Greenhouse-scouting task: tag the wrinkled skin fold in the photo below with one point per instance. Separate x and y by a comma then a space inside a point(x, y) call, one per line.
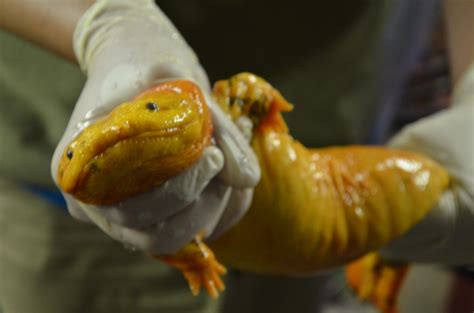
point(327, 206)
point(313, 209)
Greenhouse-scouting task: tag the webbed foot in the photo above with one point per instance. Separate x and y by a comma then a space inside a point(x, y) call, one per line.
point(199, 266)
point(374, 280)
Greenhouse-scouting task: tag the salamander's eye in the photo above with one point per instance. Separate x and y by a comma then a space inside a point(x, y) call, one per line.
point(69, 154)
point(152, 106)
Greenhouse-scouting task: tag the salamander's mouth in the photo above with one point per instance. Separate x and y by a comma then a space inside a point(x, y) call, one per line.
point(157, 134)
point(137, 151)
point(83, 160)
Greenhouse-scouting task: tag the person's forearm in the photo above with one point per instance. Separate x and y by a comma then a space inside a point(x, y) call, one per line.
point(459, 15)
point(48, 23)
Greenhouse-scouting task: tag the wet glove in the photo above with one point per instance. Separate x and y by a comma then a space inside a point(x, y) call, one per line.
point(126, 47)
point(446, 234)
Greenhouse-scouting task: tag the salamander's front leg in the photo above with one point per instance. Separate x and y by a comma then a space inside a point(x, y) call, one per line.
point(199, 266)
point(376, 281)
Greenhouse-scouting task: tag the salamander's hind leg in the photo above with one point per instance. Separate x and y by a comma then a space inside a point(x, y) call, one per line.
point(199, 266)
point(376, 281)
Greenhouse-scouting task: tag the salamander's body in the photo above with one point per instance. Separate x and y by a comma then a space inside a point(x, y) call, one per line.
point(313, 208)
point(318, 208)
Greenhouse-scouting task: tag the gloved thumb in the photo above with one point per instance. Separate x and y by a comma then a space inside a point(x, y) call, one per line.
point(241, 169)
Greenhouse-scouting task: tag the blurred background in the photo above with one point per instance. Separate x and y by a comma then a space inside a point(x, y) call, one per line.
point(357, 71)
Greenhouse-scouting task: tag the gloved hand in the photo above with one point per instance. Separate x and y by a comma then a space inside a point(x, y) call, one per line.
point(446, 234)
point(126, 47)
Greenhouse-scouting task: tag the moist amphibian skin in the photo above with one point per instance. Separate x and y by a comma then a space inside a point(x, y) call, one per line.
point(312, 210)
point(317, 208)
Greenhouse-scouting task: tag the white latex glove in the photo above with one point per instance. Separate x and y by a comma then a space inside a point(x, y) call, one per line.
point(446, 234)
point(125, 47)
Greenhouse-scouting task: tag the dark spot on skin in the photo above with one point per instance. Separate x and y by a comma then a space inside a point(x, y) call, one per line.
point(69, 154)
point(95, 168)
point(152, 106)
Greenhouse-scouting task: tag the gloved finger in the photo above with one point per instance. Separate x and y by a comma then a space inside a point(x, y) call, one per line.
point(238, 204)
point(245, 125)
point(441, 235)
point(75, 210)
point(426, 239)
point(177, 193)
point(200, 217)
point(129, 236)
point(241, 168)
point(170, 235)
point(445, 137)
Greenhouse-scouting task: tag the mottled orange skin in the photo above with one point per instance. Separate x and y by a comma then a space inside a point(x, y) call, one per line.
point(136, 147)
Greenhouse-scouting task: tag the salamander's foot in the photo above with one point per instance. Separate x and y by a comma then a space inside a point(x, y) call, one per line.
point(374, 280)
point(199, 266)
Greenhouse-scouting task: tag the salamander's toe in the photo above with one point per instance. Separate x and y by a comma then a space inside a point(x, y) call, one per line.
point(199, 266)
point(376, 281)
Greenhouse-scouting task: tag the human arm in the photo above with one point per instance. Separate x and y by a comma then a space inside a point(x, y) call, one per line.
point(459, 20)
point(48, 23)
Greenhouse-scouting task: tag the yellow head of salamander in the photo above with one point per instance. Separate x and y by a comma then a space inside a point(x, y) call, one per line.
point(138, 146)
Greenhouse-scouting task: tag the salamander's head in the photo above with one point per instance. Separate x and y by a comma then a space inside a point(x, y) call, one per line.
point(139, 145)
point(249, 95)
